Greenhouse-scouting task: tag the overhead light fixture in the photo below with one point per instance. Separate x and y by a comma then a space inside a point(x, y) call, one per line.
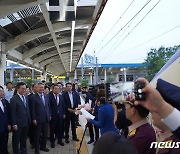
point(72, 35)
point(38, 70)
point(72, 43)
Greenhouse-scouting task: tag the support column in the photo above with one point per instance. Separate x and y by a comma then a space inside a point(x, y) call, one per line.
point(94, 76)
point(97, 77)
point(82, 69)
point(12, 73)
point(2, 64)
point(105, 75)
point(67, 77)
point(44, 75)
point(32, 73)
point(75, 74)
point(117, 77)
point(124, 74)
point(91, 79)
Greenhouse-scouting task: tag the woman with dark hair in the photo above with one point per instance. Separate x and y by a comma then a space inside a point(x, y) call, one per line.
point(105, 115)
point(111, 143)
point(46, 89)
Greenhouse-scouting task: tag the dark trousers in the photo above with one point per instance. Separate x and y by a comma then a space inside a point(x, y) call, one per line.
point(4, 142)
point(63, 128)
point(41, 131)
point(91, 132)
point(20, 136)
point(56, 127)
point(31, 134)
point(77, 120)
point(70, 118)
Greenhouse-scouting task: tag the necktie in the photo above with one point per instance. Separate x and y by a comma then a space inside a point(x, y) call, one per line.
point(42, 99)
point(56, 99)
point(24, 100)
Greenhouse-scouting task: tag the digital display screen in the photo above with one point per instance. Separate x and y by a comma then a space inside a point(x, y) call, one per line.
point(120, 90)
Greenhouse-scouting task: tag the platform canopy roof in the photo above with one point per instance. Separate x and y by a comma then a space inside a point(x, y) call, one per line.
point(33, 40)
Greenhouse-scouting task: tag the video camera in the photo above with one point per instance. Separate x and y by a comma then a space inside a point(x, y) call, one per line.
point(139, 95)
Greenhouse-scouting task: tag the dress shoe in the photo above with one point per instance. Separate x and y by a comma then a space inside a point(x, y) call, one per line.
point(67, 141)
point(75, 139)
point(89, 142)
point(52, 145)
point(78, 124)
point(61, 143)
point(44, 149)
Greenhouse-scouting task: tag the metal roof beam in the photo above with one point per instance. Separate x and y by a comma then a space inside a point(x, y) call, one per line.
point(50, 54)
point(49, 60)
point(39, 32)
point(50, 27)
point(46, 46)
point(8, 7)
point(18, 57)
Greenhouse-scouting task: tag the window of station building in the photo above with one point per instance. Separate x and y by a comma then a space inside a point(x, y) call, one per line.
point(128, 77)
point(121, 77)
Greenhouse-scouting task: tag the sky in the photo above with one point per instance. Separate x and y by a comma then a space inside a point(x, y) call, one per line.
point(118, 39)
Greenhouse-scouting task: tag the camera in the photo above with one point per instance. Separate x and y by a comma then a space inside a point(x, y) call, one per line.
point(139, 95)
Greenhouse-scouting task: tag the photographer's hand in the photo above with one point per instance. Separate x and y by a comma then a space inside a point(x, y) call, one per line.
point(88, 119)
point(154, 102)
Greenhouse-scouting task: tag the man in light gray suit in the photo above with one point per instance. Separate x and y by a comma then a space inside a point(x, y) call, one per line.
point(20, 119)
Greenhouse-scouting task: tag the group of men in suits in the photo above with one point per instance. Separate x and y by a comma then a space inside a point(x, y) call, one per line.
point(31, 115)
point(4, 122)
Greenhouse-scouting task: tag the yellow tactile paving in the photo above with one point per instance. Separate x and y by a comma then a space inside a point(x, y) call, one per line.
point(77, 144)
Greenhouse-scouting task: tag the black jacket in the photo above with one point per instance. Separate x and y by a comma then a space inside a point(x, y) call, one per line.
point(4, 116)
point(57, 109)
point(76, 101)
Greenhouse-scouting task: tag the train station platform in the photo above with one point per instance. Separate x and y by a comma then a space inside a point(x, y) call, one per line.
point(70, 148)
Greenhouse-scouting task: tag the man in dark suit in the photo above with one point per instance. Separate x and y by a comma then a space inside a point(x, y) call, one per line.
point(31, 132)
point(57, 115)
point(4, 122)
point(20, 118)
point(71, 99)
point(40, 112)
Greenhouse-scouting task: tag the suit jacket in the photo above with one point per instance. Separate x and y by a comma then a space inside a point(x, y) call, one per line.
point(177, 132)
point(40, 112)
point(4, 116)
point(57, 109)
point(76, 101)
point(20, 115)
point(30, 102)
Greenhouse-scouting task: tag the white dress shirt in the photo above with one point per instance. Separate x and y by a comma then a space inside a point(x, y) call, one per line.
point(71, 99)
point(172, 120)
point(1, 105)
point(23, 99)
point(42, 97)
point(8, 94)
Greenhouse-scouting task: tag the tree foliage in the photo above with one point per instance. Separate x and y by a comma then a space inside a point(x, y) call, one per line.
point(84, 83)
point(157, 58)
point(110, 79)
